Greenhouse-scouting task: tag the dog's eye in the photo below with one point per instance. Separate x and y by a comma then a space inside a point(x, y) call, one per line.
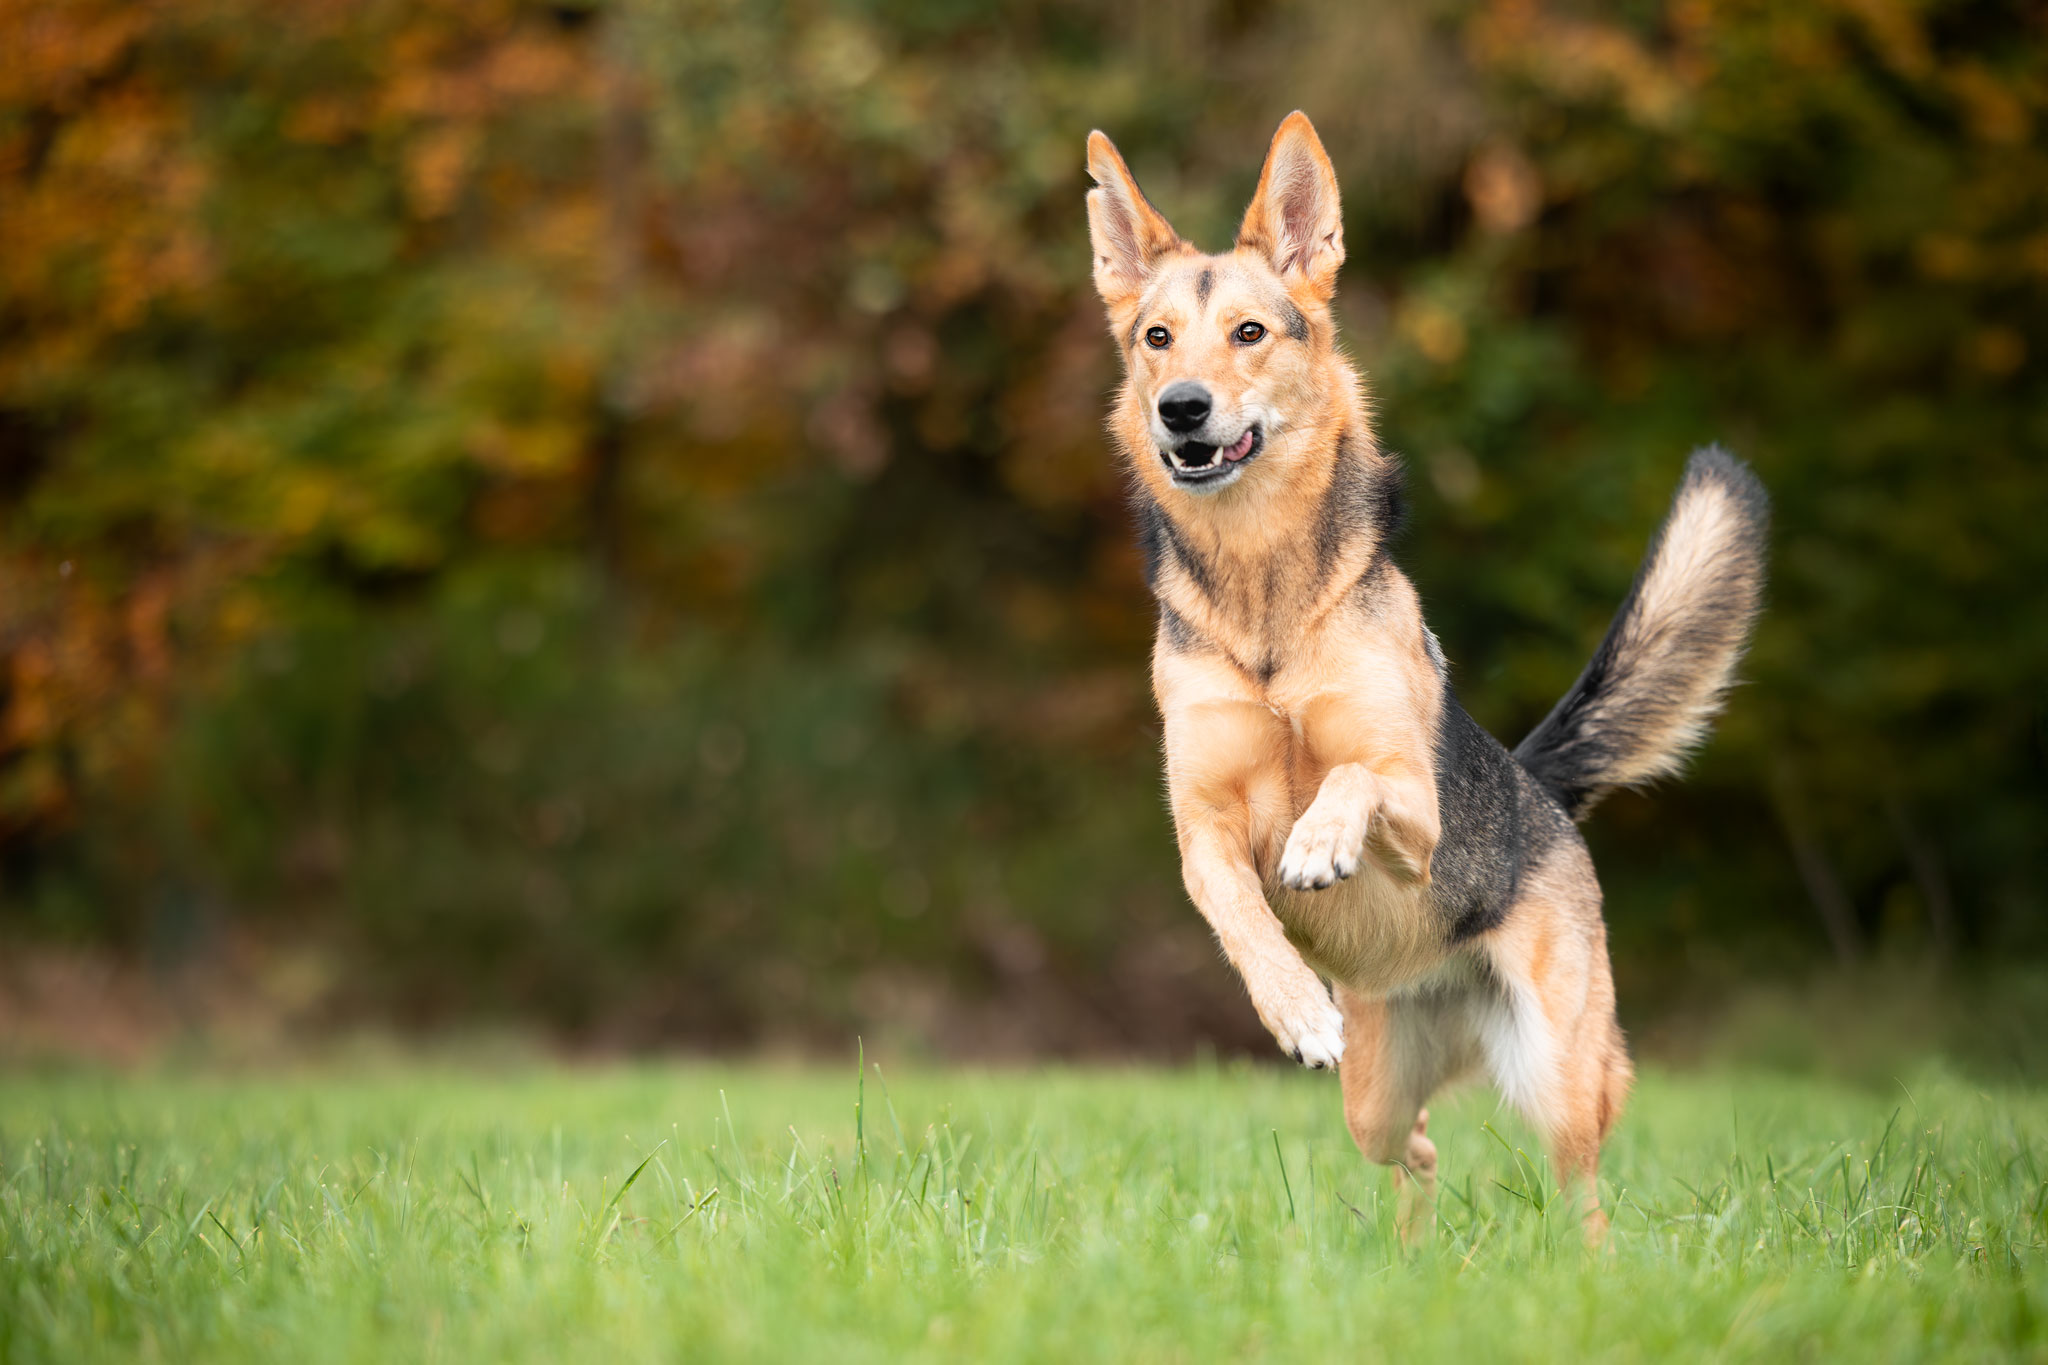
point(1249, 332)
point(1158, 338)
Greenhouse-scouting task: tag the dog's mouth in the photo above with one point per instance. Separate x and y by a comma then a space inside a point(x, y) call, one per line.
point(1197, 464)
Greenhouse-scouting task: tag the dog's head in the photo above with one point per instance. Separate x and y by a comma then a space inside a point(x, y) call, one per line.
point(1228, 358)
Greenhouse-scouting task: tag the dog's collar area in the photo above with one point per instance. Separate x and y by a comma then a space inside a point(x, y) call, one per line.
point(1197, 464)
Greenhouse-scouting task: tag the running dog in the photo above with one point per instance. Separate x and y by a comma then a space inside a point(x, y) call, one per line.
point(1339, 814)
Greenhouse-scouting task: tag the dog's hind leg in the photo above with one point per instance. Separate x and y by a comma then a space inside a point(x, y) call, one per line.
point(1550, 1036)
point(1394, 1059)
point(1592, 1084)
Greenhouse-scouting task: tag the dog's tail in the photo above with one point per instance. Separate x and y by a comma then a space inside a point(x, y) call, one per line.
point(1656, 682)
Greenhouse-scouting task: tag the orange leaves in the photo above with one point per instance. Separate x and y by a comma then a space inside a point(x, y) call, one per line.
point(79, 683)
point(437, 164)
point(279, 283)
point(1503, 187)
point(102, 224)
point(57, 50)
point(1576, 59)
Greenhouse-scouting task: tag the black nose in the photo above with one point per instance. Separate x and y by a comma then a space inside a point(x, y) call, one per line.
point(1184, 406)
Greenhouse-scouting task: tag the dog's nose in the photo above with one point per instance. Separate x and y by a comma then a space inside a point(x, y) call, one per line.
point(1184, 406)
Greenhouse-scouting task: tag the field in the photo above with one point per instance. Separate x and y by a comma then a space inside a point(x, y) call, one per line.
point(376, 1212)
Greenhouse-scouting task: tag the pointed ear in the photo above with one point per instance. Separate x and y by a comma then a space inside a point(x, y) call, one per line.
point(1294, 220)
point(1129, 235)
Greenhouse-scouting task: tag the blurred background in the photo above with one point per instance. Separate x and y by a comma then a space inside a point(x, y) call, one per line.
point(592, 520)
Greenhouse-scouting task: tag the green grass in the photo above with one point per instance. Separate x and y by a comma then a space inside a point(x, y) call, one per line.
point(708, 1213)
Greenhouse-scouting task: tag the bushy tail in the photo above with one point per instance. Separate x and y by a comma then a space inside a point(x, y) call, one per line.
point(1656, 682)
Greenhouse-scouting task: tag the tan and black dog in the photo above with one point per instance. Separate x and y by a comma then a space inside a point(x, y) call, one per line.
point(1339, 814)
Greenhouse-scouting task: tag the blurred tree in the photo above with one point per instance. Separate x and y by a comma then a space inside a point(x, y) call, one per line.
point(599, 510)
point(1816, 231)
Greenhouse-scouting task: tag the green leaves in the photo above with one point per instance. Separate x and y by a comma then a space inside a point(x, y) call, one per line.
point(776, 321)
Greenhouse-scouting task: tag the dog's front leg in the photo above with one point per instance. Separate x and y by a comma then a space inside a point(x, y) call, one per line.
point(1355, 810)
point(1216, 863)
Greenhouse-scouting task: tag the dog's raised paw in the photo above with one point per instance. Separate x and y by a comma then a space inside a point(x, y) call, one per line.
point(1323, 849)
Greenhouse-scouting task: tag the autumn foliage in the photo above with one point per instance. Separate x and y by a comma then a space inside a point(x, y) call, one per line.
point(598, 512)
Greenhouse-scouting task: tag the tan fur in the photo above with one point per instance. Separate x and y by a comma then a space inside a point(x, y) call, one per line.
point(1387, 1073)
point(1556, 943)
point(1301, 711)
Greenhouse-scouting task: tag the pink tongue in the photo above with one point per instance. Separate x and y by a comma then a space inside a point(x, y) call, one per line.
point(1238, 450)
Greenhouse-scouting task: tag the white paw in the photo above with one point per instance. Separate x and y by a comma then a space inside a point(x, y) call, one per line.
point(1325, 846)
point(1311, 1031)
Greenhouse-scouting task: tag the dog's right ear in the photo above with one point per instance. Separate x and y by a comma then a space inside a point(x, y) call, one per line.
point(1129, 235)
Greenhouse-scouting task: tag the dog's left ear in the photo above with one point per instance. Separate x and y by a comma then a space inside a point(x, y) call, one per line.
point(1294, 220)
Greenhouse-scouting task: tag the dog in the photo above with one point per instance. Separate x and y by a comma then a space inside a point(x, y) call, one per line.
point(1339, 815)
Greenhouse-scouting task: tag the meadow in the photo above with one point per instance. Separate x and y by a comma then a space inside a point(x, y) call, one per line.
point(380, 1211)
